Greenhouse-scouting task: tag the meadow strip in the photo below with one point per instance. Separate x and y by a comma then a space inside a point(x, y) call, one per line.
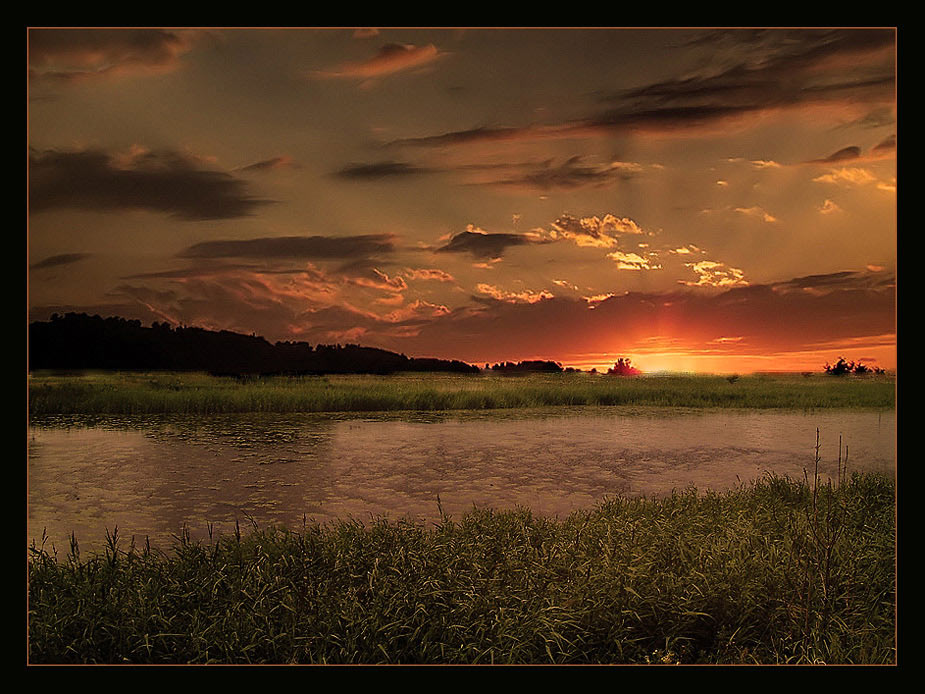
point(194, 393)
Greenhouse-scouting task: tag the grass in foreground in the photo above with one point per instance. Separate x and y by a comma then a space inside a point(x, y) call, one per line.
point(776, 572)
point(195, 393)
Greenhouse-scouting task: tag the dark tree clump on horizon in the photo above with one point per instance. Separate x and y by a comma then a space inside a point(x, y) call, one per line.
point(623, 367)
point(842, 367)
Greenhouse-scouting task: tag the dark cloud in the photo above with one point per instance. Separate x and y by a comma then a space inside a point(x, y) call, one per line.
point(537, 175)
point(844, 281)
point(486, 245)
point(771, 68)
point(668, 117)
point(317, 247)
point(167, 181)
point(207, 268)
point(58, 260)
point(461, 137)
point(381, 169)
point(571, 174)
point(793, 48)
point(68, 55)
point(762, 70)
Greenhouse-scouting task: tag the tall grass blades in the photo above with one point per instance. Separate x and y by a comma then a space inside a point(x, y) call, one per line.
point(779, 571)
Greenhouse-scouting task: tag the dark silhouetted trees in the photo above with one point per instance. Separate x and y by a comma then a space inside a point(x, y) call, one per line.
point(77, 341)
point(843, 367)
point(535, 366)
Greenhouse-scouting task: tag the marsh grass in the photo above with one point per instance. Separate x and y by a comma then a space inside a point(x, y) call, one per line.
point(194, 393)
point(778, 571)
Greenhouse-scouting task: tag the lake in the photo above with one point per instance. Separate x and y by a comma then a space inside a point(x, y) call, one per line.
point(151, 476)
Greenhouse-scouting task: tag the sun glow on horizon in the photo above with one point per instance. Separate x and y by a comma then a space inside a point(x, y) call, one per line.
point(680, 361)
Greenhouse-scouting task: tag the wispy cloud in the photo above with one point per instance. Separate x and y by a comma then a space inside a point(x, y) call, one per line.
point(380, 170)
point(390, 59)
point(877, 118)
point(887, 145)
point(274, 163)
point(165, 181)
point(573, 173)
point(875, 278)
point(59, 260)
point(763, 73)
point(324, 247)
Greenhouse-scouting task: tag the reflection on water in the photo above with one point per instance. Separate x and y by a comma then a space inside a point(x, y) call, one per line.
point(151, 476)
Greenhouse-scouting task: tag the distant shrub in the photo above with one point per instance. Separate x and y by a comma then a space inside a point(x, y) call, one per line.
point(623, 367)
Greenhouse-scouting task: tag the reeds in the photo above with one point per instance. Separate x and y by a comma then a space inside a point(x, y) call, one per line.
point(191, 393)
point(779, 571)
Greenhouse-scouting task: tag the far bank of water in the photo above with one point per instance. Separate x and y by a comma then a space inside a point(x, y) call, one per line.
point(153, 475)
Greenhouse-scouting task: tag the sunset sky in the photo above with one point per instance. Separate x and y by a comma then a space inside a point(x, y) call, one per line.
point(694, 199)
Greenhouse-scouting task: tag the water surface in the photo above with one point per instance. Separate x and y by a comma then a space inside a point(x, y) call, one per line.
point(152, 476)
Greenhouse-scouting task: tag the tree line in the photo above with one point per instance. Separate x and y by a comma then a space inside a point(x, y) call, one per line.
point(77, 341)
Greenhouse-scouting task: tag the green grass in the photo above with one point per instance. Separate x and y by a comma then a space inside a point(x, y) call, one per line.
point(773, 572)
point(194, 393)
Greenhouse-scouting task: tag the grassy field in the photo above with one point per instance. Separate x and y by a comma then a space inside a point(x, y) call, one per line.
point(775, 572)
point(195, 393)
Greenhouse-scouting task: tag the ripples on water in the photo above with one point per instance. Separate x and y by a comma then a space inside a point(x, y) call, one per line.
point(151, 476)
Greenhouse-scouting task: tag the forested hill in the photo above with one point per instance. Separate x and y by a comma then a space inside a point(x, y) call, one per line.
point(79, 341)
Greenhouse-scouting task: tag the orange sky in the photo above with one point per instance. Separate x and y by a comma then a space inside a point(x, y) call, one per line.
point(696, 200)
